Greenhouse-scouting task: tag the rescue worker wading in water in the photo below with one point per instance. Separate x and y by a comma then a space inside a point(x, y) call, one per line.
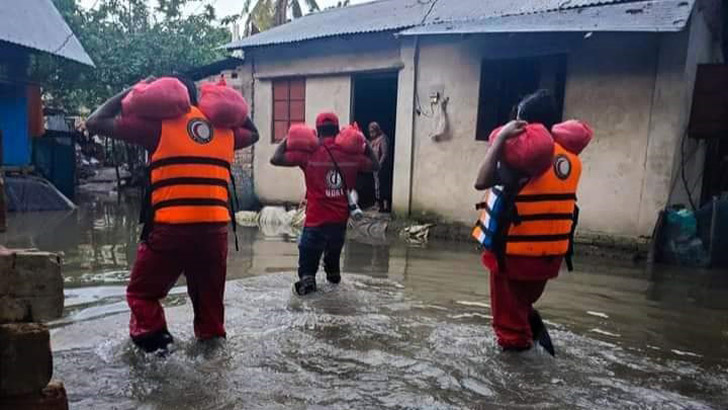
point(187, 229)
point(526, 227)
point(327, 207)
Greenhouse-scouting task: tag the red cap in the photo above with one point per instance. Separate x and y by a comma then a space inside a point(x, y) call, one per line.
point(327, 118)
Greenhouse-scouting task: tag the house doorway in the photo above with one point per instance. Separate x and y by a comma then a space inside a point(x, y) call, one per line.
point(374, 99)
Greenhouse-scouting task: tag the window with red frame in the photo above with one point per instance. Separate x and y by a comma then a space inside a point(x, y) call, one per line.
point(289, 105)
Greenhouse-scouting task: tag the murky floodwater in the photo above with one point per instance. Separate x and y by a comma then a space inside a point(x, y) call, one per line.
point(407, 328)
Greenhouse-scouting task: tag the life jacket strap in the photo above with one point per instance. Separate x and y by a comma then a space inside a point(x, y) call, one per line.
point(189, 161)
point(538, 238)
point(545, 197)
point(189, 202)
point(189, 181)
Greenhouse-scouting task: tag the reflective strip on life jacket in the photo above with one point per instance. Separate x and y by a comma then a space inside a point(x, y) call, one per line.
point(190, 171)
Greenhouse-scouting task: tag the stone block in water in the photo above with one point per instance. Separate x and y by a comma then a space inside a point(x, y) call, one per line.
point(52, 397)
point(26, 363)
point(31, 286)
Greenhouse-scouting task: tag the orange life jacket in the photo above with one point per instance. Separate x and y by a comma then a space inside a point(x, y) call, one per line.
point(190, 171)
point(538, 219)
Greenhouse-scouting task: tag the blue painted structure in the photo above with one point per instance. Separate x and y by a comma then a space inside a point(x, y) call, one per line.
point(14, 124)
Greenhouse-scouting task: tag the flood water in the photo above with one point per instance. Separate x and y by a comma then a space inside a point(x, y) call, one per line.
point(408, 327)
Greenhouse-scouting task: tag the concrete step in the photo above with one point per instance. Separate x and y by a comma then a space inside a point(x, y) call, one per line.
point(26, 364)
point(52, 397)
point(31, 286)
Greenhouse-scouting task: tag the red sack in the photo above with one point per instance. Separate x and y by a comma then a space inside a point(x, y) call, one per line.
point(301, 138)
point(573, 135)
point(164, 98)
point(351, 140)
point(222, 105)
point(531, 152)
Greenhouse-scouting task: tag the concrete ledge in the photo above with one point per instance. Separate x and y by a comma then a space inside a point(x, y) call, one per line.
point(592, 243)
point(26, 364)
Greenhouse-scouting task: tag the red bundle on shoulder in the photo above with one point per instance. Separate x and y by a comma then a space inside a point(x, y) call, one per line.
point(573, 135)
point(223, 106)
point(301, 138)
point(351, 140)
point(531, 152)
point(164, 98)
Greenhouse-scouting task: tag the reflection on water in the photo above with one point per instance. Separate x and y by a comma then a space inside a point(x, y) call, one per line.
point(407, 328)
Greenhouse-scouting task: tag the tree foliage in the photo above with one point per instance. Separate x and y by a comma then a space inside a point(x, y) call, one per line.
point(128, 41)
point(265, 14)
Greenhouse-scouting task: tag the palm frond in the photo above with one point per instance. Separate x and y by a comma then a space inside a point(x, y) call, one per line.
point(312, 5)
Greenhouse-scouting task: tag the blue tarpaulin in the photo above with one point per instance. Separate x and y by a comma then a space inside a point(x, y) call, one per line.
point(14, 124)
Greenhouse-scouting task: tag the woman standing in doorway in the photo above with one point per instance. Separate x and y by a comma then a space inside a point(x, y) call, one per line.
point(382, 178)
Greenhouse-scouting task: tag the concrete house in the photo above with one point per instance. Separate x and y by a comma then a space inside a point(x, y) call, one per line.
point(439, 75)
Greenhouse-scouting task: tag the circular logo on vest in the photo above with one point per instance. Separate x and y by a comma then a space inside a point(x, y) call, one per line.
point(334, 180)
point(562, 166)
point(200, 130)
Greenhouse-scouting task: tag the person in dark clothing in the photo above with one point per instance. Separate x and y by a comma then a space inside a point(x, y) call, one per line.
point(327, 206)
point(382, 178)
point(189, 224)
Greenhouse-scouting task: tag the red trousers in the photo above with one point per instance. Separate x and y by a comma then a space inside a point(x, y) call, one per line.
point(513, 291)
point(200, 253)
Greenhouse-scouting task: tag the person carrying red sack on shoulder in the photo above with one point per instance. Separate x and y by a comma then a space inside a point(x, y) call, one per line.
point(329, 171)
point(187, 207)
point(528, 216)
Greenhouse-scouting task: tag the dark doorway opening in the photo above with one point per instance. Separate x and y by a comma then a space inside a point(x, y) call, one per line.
point(375, 100)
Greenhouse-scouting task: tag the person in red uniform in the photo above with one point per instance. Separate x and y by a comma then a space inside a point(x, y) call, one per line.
point(188, 233)
point(327, 207)
point(517, 282)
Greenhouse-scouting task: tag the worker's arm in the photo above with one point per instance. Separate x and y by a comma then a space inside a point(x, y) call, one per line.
point(486, 175)
point(280, 157)
point(246, 135)
point(373, 161)
point(102, 120)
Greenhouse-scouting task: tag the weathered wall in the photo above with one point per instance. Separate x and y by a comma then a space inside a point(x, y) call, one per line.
point(703, 47)
point(634, 89)
point(327, 89)
point(608, 85)
point(611, 87)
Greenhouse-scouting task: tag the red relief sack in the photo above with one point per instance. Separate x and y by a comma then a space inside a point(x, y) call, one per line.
point(351, 140)
point(223, 106)
point(164, 98)
point(301, 138)
point(573, 135)
point(530, 152)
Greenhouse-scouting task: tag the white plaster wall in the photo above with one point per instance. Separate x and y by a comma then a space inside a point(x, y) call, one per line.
point(608, 85)
point(328, 94)
point(444, 172)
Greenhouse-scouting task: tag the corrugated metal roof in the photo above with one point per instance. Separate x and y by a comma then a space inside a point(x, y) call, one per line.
point(382, 15)
point(473, 16)
point(448, 10)
point(649, 15)
point(38, 25)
